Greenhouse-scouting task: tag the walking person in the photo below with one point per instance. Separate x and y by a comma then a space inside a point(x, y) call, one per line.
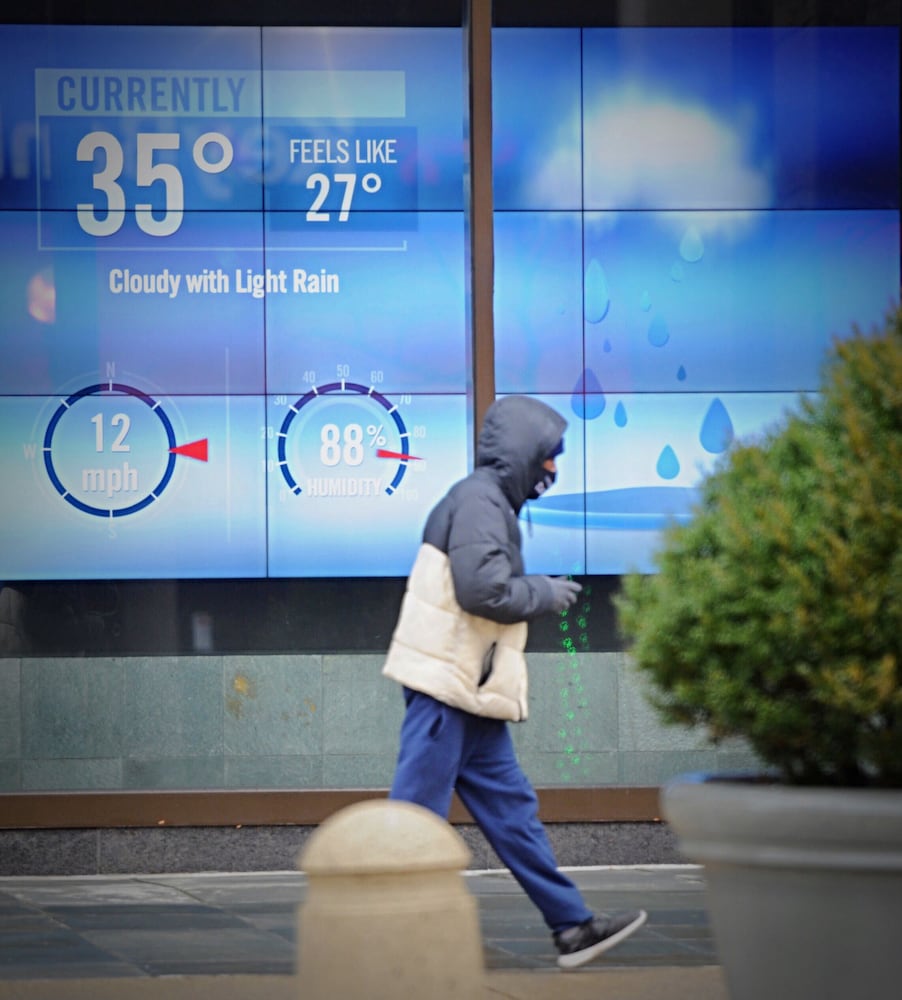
point(458, 649)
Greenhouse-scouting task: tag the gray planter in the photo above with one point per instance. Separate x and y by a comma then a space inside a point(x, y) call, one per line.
point(804, 885)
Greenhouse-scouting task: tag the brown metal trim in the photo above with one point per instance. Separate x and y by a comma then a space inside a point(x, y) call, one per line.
point(480, 207)
point(88, 810)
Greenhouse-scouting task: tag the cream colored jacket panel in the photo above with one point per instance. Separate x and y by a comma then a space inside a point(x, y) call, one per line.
point(439, 649)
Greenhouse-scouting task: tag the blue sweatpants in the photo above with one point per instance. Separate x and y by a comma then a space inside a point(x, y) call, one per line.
point(444, 749)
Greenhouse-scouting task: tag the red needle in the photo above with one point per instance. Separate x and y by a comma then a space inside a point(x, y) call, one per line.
point(383, 453)
point(196, 449)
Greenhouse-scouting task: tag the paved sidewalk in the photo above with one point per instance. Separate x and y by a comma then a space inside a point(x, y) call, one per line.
point(232, 936)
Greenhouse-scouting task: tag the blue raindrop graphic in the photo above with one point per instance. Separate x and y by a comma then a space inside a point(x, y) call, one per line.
point(620, 417)
point(668, 464)
point(584, 405)
point(681, 374)
point(692, 248)
point(676, 271)
point(607, 347)
point(598, 300)
point(658, 334)
point(645, 301)
point(716, 434)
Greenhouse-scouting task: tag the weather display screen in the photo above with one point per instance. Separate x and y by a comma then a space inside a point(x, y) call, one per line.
point(233, 283)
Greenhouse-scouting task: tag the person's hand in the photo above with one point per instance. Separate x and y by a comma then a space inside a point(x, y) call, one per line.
point(563, 592)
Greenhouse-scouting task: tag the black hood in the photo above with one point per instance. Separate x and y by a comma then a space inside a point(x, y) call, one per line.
point(517, 435)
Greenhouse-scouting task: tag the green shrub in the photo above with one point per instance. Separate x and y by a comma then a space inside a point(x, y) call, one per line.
point(776, 614)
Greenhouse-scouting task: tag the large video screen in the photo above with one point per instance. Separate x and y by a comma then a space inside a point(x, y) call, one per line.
point(233, 289)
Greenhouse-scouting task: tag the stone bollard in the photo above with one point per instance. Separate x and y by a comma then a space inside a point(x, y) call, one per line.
point(387, 914)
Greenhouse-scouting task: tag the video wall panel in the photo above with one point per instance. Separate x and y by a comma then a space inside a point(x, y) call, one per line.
point(738, 209)
point(233, 288)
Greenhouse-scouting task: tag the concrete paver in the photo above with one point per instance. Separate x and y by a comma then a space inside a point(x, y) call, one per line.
point(233, 936)
point(703, 983)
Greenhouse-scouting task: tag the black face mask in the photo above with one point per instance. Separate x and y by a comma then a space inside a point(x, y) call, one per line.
point(545, 483)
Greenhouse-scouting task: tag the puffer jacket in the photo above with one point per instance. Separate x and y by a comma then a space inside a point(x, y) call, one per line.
point(462, 629)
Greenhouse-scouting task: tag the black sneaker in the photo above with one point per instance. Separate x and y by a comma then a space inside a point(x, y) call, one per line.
point(580, 944)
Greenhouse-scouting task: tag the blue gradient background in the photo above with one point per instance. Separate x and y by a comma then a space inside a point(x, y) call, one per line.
point(400, 310)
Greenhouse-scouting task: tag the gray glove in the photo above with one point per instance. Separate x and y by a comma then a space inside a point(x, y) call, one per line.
point(563, 592)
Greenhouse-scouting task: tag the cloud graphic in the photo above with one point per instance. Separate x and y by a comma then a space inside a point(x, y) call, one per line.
point(657, 153)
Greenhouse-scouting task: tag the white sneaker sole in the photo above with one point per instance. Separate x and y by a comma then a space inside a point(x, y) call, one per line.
point(577, 958)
